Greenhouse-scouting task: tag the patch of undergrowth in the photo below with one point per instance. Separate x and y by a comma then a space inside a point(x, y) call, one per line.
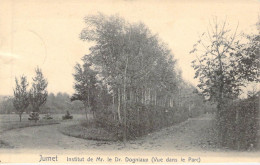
point(140, 120)
point(90, 131)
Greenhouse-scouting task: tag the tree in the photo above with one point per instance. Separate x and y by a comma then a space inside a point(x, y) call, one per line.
point(85, 86)
point(250, 55)
point(223, 67)
point(21, 96)
point(132, 63)
point(38, 92)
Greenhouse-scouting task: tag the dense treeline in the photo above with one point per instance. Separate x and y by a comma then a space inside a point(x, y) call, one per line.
point(137, 72)
point(6, 105)
point(59, 103)
point(145, 118)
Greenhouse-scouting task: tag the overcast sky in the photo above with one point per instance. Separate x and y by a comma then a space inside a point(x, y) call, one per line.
point(46, 32)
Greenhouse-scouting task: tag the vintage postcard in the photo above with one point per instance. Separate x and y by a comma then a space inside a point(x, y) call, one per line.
point(129, 81)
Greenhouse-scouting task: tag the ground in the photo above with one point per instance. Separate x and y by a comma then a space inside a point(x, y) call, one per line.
point(195, 134)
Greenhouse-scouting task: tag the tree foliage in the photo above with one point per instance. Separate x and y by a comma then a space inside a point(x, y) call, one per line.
point(223, 63)
point(133, 64)
point(85, 86)
point(21, 95)
point(38, 91)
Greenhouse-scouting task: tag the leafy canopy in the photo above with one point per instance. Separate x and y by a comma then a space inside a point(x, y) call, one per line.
point(223, 63)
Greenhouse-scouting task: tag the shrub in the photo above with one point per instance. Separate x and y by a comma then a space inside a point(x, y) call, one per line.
point(241, 124)
point(67, 116)
point(107, 121)
point(34, 116)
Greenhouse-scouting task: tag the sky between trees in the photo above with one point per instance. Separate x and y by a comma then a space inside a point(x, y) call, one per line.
point(47, 33)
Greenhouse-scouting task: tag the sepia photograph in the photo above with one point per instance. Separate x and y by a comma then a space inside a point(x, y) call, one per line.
point(129, 81)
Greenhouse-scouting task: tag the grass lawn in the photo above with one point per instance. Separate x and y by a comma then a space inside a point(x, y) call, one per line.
point(11, 121)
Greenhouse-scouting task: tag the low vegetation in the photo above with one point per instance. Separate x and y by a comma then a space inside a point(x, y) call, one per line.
point(142, 120)
point(242, 124)
point(90, 131)
point(67, 116)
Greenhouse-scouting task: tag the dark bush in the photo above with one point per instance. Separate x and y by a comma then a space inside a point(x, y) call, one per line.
point(106, 120)
point(34, 116)
point(241, 124)
point(67, 116)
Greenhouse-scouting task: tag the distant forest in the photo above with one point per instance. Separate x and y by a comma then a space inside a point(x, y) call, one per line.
point(59, 103)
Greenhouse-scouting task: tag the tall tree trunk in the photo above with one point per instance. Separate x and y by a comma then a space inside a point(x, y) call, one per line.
point(119, 106)
point(124, 97)
point(142, 96)
point(170, 102)
point(180, 101)
point(220, 108)
point(131, 95)
point(149, 95)
point(88, 99)
point(93, 112)
point(113, 98)
point(152, 99)
point(85, 107)
point(138, 119)
point(237, 129)
point(155, 98)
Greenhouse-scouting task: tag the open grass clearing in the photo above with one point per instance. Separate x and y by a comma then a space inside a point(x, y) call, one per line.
point(11, 121)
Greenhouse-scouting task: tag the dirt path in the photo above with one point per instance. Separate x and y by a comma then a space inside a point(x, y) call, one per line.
point(193, 134)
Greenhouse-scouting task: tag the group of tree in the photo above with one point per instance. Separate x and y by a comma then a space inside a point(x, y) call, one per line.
point(35, 97)
point(55, 104)
point(60, 103)
point(225, 63)
point(129, 76)
point(6, 105)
